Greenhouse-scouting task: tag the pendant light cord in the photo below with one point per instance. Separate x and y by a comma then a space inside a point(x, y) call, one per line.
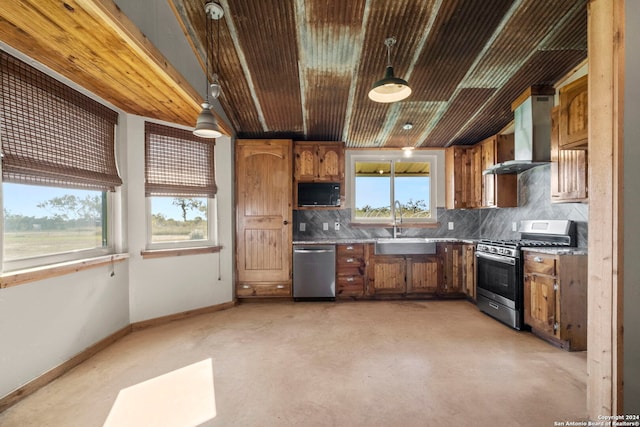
point(206, 56)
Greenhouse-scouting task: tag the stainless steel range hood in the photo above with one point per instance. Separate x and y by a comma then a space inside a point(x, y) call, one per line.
point(532, 139)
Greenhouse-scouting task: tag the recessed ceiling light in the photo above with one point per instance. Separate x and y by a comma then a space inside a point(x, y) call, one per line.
point(407, 126)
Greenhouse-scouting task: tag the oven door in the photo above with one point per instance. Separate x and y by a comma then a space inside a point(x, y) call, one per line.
point(499, 278)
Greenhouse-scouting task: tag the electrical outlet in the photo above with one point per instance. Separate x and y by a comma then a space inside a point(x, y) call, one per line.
point(514, 226)
point(325, 226)
point(336, 226)
point(450, 225)
point(303, 226)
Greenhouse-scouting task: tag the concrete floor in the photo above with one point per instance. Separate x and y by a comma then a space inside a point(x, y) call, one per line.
point(324, 364)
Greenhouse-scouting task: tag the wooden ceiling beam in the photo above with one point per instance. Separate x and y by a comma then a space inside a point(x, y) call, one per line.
point(92, 43)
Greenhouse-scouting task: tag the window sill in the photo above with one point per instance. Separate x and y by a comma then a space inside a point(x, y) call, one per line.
point(163, 253)
point(20, 277)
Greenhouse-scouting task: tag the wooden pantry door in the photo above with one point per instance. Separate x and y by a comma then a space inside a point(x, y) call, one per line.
point(263, 210)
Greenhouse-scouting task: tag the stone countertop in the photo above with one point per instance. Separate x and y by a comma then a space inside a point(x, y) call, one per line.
point(558, 250)
point(347, 241)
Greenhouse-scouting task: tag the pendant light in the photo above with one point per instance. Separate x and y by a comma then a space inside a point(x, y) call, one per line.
point(206, 124)
point(390, 88)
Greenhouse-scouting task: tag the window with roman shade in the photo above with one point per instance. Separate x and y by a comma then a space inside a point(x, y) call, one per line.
point(51, 134)
point(177, 163)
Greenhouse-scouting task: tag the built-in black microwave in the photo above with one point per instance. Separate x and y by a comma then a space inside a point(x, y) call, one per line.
point(318, 194)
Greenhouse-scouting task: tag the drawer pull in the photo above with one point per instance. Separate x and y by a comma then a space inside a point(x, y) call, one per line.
point(246, 287)
point(280, 286)
point(537, 259)
point(350, 260)
point(349, 279)
point(349, 248)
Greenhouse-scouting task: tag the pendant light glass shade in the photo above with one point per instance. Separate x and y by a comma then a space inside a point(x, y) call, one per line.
point(206, 124)
point(390, 88)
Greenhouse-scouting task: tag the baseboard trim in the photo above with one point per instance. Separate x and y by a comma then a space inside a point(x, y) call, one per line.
point(44, 379)
point(144, 324)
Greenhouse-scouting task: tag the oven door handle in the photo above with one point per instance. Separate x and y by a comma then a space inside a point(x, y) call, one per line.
point(498, 258)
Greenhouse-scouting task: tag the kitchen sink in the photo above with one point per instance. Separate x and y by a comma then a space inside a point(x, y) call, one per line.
point(405, 246)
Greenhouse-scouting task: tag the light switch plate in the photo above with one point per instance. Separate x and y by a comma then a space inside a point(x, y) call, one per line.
point(325, 226)
point(336, 226)
point(514, 226)
point(450, 225)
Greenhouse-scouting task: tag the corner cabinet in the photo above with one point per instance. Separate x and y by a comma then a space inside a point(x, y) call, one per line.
point(498, 191)
point(318, 162)
point(458, 268)
point(568, 167)
point(555, 298)
point(463, 174)
point(263, 218)
point(574, 115)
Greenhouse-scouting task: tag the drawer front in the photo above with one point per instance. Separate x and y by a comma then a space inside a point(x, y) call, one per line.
point(355, 251)
point(350, 270)
point(350, 261)
point(244, 290)
point(351, 285)
point(539, 263)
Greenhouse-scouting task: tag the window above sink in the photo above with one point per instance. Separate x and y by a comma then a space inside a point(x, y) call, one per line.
point(388, 187)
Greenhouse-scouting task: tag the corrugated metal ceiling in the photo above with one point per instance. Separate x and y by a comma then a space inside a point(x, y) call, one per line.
point(302, 69)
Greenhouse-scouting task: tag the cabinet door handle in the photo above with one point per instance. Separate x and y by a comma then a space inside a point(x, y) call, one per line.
point(280, 286)
point(537, 259)
point(350, 259)
point(285, 222)
point(349, 279)
point(349, 248)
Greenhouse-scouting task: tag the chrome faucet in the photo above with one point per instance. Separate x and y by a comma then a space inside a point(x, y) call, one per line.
point(397, 207)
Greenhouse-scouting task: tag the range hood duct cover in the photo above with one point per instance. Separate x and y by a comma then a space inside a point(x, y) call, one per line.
point(532, 139)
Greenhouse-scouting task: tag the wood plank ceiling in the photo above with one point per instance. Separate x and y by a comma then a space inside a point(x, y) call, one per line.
point(302, 69)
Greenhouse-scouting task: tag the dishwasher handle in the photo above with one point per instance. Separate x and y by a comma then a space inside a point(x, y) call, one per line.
point(313, 251)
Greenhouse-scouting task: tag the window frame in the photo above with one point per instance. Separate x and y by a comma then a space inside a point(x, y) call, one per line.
point(212, 228)
point(393, 156)
point(61, 257)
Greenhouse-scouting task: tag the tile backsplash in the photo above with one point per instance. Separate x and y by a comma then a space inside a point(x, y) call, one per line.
point(533, 203)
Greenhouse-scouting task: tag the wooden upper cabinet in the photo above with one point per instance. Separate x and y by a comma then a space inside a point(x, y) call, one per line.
point(462, 182)
point(568, 168)
point(498, 191)
point(319, 161)
point(331, 162)
point(574, 115)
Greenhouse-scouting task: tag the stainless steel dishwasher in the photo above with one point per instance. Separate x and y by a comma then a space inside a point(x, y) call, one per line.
point(314, 272)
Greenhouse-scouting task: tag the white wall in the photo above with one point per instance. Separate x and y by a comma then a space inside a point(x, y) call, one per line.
point(163, 286)
point(45, 323)
point(631, 210)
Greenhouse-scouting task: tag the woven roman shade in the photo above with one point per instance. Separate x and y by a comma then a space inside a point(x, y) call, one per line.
point(52, 134)
point(177, 163)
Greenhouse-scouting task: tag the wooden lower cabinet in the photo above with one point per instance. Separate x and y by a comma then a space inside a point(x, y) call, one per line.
point(351, 270)
point(403, 275)
point(245, 290)
point(555, 298)
point(423, 274)
point(458, 269)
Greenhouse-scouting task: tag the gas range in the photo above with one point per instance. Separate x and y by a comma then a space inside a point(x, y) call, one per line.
point(499, 275)
point(549, 233)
